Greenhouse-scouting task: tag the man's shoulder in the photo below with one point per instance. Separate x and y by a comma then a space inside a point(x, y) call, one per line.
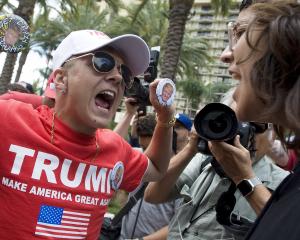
point(269, 173)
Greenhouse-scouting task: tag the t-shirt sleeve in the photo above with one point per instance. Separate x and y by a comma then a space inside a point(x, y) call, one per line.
point(33, 99)
point(8, 109)
point(135, 165)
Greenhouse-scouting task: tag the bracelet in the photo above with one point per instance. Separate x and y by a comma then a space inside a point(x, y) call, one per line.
point(168, 124)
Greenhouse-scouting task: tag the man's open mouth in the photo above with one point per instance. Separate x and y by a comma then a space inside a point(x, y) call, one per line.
point(105, 99)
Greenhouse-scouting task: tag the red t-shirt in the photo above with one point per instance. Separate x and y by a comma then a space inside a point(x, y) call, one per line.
point(58, 191)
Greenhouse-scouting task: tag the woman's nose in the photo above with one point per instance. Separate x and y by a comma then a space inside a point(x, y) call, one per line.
point(226, 55)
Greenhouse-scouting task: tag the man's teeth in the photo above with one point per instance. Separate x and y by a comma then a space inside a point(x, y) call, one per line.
point(112, 94)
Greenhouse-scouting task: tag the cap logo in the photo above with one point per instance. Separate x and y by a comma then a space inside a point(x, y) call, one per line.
point(98, 34)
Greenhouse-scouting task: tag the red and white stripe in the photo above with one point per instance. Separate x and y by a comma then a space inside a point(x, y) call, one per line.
point(73, 226)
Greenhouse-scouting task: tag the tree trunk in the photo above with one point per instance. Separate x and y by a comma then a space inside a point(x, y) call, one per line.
point(7, 71)
point(179, 12)
point(22, 61)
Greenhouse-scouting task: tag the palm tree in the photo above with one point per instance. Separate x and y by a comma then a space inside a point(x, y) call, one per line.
point(153, 32)
point(179, 11)
point(193, 52)
point(178, 15)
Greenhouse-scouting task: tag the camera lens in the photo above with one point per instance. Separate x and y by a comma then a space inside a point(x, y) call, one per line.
point(217, 122)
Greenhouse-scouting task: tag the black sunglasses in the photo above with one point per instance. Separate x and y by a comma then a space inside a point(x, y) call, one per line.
point(104, 63)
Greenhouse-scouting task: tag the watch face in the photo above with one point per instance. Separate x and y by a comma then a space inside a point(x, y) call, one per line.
point(245, 187)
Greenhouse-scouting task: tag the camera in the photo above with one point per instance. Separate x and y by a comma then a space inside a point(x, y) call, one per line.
point(218, 122)
point(140, 86)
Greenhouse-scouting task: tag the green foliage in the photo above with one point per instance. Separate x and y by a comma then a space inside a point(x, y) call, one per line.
point(114, 206)
point(221, 7)
point(153, 32)
point(216, 90)
point(193, 89)
point(193, 53)
point(47, 34)
point(193, 56)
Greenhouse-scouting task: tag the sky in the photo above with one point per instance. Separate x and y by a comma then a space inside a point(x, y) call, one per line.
point(31, 68)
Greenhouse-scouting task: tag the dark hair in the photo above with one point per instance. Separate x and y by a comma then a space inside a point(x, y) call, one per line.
point(146, 125)
point(275, 76)
point(17, 87)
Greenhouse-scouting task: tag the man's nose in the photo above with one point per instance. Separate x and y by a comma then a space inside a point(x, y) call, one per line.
point(116, 75)
point(226, 55)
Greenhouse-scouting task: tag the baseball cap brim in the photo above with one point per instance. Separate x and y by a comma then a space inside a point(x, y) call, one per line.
point(134, 50)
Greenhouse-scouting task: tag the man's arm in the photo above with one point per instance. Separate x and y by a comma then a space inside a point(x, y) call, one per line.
point(33, 99)
point(162, 191)
point(159, 150)
point(236, 162)
point(123, 126)
point(161, 234)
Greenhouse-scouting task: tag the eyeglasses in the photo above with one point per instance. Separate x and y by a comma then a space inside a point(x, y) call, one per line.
point(235, 31)
point(105, 63)
point(231, 38)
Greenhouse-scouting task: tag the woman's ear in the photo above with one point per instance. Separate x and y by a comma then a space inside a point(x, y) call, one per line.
point(61, 81)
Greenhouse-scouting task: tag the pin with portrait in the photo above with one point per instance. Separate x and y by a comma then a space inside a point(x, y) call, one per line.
point(165, 92)
point(14, 33)
point(116, 176)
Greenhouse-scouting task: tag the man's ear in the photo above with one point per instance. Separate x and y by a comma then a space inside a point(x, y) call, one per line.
point(61, 80)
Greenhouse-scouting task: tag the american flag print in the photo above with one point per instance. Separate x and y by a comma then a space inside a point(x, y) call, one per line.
point(62, 223)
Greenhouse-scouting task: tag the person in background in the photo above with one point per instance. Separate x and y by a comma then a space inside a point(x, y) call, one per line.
point(17, 87)
point(130, 112)
point(182, 130)
point(62, 162)
point(144, 220)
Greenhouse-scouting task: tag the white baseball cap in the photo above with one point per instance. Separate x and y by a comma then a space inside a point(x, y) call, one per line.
point(133, 48)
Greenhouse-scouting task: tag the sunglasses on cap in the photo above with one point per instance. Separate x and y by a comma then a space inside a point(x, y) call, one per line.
point(105, 63)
